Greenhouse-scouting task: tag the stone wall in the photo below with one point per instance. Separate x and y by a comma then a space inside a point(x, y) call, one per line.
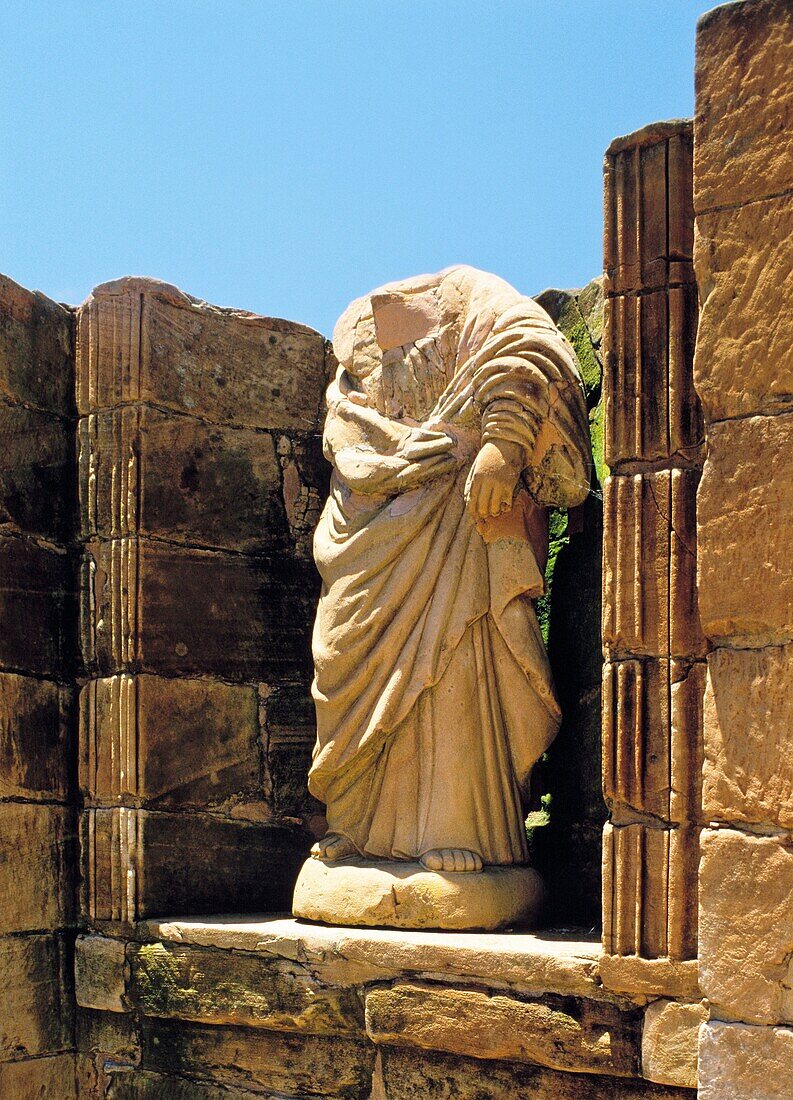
point(743, 195)
point(190, 1008)
point(38, 654)
point(200, 480)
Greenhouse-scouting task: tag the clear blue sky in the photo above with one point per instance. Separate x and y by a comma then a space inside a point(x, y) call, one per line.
point(285, 156)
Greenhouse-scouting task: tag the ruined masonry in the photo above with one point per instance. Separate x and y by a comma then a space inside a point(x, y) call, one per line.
point(161, 475)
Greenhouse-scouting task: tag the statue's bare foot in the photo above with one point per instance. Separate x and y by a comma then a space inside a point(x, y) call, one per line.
point(451, 859)
point(332, 847)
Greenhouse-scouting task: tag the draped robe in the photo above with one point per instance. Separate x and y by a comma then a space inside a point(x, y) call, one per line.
point(432, 687)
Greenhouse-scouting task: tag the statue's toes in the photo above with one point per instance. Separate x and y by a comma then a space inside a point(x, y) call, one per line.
point(433, 860)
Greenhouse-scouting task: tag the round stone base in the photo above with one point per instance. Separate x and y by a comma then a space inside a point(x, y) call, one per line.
point(393, 894)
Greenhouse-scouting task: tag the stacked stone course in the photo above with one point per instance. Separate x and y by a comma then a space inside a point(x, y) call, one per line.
point(654, 648)
point(200, 479)
point(743, 196)
point(38, 653)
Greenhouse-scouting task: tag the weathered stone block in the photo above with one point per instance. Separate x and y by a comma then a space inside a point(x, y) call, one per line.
point(35, 1008)
point(669, 1042)
point(183, 611)
point(585, 1036)
point(37, 605)
point(36, 354)
point(746, 926)
point(125, 1083)
point(217, 987)
point(650, 891)
point(647, 208)
point(636, 513)
point(170, 743)
point(140, 864)
point(737, 1062)
point(748, 728)
point(652, 738)
point(143, 340)
point(650, 977)
point(744, 359)
point(744, 506)
point(40, 1079)
point(409, 1075)
point(744, 88)
point(636, 373)
point(100, 973)
point(649, 565)
point(36, 738)
point(36, 473)
point(260, 1060)
point(143, 471)
point(38, 859)
point(110, 1033)
point(652, 411)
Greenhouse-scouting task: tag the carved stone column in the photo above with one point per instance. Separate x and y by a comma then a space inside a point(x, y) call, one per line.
point(653, 678)
point(197, 430)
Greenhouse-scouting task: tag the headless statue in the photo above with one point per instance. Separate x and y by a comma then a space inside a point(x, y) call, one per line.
point(456, 417)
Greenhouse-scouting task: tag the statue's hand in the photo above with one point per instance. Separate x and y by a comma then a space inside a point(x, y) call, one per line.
point(493, 477)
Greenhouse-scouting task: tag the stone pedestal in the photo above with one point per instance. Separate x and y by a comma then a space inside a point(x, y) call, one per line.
point(354, 892)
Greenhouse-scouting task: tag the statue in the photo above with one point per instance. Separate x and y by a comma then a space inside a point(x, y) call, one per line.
point(456, 417)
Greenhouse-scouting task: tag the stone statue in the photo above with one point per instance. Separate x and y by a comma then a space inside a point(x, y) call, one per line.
point(456, 417)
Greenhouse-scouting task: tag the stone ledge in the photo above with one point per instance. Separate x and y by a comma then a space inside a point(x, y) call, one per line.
point(533, 963)
point(524, 999)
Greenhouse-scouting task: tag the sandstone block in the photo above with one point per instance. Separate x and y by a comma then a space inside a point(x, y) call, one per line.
point(38, 859)
point(744, 87)
point(404, 895)
point(650, 891)
point(647, 208)
point(50, 1078)
point(669, 1042)
point(744, 505)
point(169, 743)
point(652, 411)
point(260, 1060)
point(100, 973)
point(109, 1033)
point(409, 1075)
point(737, 1062)
point(146, 472)
point(35, 738)
point(649, 565)
point(746, 926)
point(138, 863)
point(663, 977)
point(748, 728)
point(125, 1083)
point(36, 354)
point(35, 1009)
point(575, 1036)
point(36, 608)
point(744, 359)
point(218, 987)
point(652, 738)
point(182, 611)
point(143, 340)
point(36, 473)
point(533, 964)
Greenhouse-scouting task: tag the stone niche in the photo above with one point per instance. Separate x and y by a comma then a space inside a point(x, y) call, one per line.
point(173, 732)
